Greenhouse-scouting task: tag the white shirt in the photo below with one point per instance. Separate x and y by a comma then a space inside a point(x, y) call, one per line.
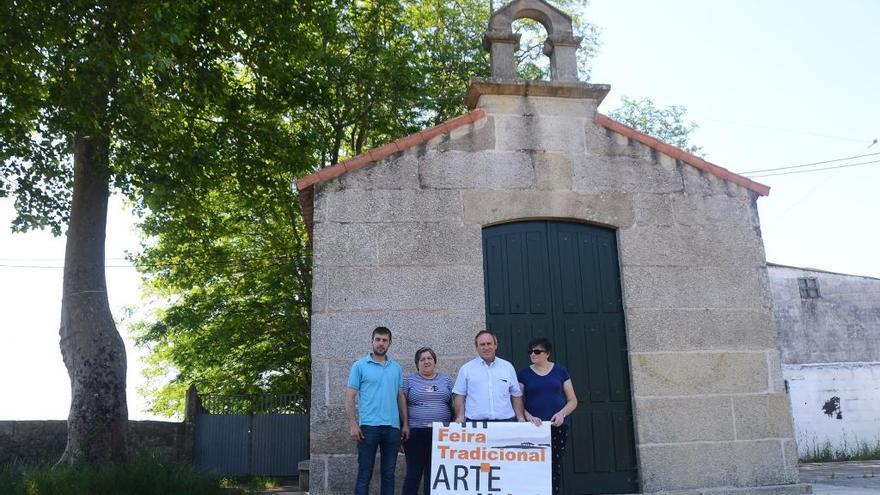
point(487, 388)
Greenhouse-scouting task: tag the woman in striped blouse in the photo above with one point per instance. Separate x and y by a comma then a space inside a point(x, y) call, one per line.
point(427, 396)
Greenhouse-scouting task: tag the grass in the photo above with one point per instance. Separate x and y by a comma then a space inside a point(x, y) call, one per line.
point(140, 477)
point(250, 484)
point(862, 451)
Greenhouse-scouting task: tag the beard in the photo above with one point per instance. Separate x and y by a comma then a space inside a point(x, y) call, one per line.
point(379, 352)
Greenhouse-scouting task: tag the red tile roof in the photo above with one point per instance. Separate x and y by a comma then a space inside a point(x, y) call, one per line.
point(383, 152)
point(306, 184)
point(681, 155)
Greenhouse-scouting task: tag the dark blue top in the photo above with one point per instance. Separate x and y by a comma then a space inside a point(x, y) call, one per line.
point(544, 394)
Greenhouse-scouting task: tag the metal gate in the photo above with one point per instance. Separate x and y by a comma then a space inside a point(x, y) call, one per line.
point(264, 435)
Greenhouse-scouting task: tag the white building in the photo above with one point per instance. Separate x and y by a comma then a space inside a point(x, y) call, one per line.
point(829, 337)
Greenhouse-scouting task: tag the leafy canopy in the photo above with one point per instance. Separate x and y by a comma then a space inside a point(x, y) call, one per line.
point(210, 109)
point(666, 124)
point(233, 257)
point(176, 88)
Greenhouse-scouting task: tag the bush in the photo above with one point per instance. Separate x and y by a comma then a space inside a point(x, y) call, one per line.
point(144, 476)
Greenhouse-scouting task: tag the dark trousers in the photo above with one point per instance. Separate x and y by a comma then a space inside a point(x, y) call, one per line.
point(418, 462)
point(558, 436)
point(387, 440)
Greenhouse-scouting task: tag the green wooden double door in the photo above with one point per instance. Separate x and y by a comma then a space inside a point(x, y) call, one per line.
point(562, 281)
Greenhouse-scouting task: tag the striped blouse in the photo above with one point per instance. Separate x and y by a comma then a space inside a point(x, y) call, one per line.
point(427, 400)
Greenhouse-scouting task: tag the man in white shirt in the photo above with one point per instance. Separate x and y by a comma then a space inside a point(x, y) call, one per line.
point(487, 387)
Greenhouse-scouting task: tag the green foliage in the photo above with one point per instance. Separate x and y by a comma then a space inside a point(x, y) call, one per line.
point(861, 451)
point(236, 270)
point(666, 124)
point(205, 108)
point(227, 246)
point(449, 53)
point(230, 252)
point(162, 82)
point(211, 109)
point(145, 476)
point(251, 484)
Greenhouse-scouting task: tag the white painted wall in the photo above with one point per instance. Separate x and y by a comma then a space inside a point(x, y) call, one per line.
point(858, 387)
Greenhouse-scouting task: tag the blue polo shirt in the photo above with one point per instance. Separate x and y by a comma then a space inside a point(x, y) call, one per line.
point(377, 387)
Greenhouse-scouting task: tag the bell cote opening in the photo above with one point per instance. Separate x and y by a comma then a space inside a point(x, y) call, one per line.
point(561, 44)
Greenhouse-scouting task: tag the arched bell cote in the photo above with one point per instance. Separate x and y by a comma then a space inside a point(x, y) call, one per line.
point(561, 45)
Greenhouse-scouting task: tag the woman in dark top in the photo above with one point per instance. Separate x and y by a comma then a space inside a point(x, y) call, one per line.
point(427, 397)
point(549, 396)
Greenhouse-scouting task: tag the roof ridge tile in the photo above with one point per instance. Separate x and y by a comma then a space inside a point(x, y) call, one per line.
point(682, 155)
point(384, 151)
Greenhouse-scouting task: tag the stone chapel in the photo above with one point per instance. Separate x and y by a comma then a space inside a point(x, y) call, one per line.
point(533, 214)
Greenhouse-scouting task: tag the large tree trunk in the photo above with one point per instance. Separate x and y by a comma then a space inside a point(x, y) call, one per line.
point(93, 350)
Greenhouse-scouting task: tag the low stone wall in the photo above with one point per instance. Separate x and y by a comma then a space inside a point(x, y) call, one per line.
point(42, 442)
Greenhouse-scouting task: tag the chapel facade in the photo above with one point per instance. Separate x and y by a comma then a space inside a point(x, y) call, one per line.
point(535, 215)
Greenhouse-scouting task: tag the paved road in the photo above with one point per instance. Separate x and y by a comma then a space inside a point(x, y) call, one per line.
point(843, 478)
point(827, 478)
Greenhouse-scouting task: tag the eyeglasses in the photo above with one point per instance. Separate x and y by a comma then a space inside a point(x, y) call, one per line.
point(536, 351)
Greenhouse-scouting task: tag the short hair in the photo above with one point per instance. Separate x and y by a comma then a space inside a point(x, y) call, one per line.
point(381, 331)
point(484, 332)
point(542, 342)
point(423, 350)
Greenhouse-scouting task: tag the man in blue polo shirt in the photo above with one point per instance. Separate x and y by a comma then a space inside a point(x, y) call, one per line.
point(380, 422)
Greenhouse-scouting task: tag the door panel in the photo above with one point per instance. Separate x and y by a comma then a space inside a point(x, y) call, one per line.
point(561, 280)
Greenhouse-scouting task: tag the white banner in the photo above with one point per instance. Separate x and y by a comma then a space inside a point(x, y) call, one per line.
point(482, 458)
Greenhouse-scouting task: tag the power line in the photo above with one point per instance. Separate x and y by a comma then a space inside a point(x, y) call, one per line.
point(808, 164)
point(821, 182)
point(793, 131)
point(818, 169)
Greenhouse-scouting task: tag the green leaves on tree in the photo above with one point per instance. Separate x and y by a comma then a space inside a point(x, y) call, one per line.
point(666, 124)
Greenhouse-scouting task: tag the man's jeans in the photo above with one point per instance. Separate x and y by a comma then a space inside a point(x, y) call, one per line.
point(387, 440)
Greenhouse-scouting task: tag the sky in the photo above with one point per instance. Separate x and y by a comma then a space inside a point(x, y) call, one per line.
point(770, 83)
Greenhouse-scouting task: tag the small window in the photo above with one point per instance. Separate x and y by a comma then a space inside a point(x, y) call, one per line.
point(809, 287)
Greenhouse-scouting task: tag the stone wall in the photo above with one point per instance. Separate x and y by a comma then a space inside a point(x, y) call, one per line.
point(398, 243)
point(43, 442)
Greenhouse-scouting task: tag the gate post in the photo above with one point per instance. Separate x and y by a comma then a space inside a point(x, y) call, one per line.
point(190, 411)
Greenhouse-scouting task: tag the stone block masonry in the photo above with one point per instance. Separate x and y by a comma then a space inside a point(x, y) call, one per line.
point(398, 243)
